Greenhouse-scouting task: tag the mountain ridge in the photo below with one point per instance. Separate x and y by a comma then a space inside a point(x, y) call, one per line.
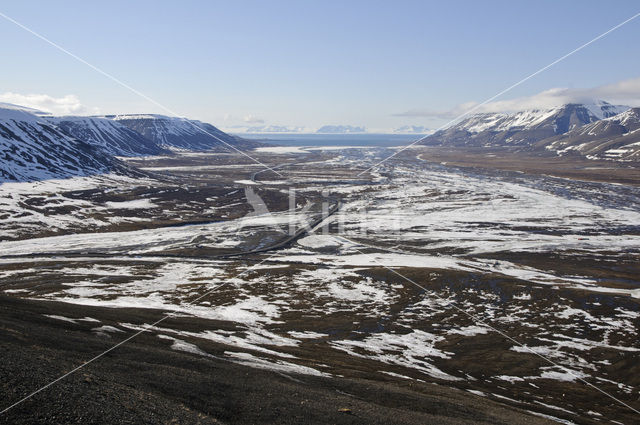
point(181, 133)
point(31, 148)
point(109, 135)
point(613, 138)
point(522, 128)
point(36, 145)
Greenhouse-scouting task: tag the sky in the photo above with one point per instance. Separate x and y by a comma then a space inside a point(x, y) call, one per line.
point(300, 64)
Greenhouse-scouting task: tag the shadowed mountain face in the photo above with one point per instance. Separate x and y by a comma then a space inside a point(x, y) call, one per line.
point(522, 128)
point(617, 138)
point(109, 135)
point(181, 133)
point(33, 149)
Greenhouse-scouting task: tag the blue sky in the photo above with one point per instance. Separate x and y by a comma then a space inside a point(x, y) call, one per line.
point(300, 63)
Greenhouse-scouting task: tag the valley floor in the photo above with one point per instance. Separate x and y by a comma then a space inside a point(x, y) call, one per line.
point(425, 292)
point(571, 166)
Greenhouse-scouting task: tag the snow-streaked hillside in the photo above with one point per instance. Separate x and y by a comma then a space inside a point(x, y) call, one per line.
point(521, 128)
point(109, 135)
point(617, 137)
point(181, 133)
point(31, 148)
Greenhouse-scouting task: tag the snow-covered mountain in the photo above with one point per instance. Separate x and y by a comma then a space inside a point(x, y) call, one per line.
point(522, 128)
point(339, 129)
point(617, 137)
point(31, 148)
point(275, 129)
point(36, 145)
point(109, 135)
point(181, 133)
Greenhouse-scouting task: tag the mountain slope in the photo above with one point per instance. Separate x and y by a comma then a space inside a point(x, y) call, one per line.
point(109, 135)
point(180, 133)
point(33, 149)
point(617, 137)
point(522, 128)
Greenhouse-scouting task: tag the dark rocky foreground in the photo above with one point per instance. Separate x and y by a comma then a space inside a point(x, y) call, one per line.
point(145, 381)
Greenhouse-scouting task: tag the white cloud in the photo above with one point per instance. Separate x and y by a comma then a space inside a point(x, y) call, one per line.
point(432, 113)
point(66, 105)
point(626, 92)
point(252, 119)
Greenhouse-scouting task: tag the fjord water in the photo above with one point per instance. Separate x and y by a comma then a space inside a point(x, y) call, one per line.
point(314, 139)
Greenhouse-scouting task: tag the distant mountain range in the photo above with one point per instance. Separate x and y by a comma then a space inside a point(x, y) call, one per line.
point(412, 129)
point(35, 145)
point(598, 131)
point(275, 129)
point(520, 128)
point(340, 129)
